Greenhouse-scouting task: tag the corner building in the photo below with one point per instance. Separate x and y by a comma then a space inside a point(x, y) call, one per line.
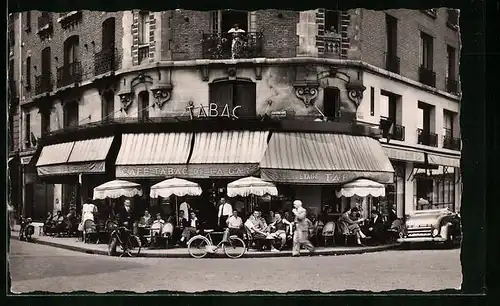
point(309, 100)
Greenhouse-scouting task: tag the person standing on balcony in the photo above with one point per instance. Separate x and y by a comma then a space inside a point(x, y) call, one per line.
point(237, 41)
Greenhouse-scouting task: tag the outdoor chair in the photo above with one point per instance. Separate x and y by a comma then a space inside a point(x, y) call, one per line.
point(160, 234)
point(344, 231)
point(328, 232)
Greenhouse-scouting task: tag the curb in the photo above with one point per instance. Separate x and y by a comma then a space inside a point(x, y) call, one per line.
point(219, 255)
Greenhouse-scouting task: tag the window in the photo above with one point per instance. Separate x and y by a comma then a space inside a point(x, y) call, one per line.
point(46, 61)
point(27, 129)
point(388, 105)
point(28, 22)
point(331, 102)
point(450, 67)
point(71, 114)
point(372, 101)
point(228, 18)
point(391, 24)
point(108, 106)
point(426, 127)
point(143, 105)
point(332, 22)
point(28, 73)
point(45, 121)
point(438, 189)
point(71, 50)
point(448, 123)
point(426, 52)
point(424, 191)
point(143, 27)
point(238, 93)
point(452, 20)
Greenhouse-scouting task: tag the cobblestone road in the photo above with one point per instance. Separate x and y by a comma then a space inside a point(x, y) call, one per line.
point(42, 268)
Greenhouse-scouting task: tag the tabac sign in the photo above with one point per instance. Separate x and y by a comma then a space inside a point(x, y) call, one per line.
point(186, 171)
point(323, 177)
point(213, 110)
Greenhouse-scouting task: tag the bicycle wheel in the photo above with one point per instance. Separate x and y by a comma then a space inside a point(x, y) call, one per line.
point(234, 247)
point(133, 245)
point(198, 246)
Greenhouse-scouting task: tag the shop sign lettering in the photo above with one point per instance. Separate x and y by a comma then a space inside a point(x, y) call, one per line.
point(193, 171)
point(322, 177)
point(212, 111)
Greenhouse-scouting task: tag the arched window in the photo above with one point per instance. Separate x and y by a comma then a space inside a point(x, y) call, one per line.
point(143, 111)
point(71, 50)
point(235, 93)
point(108, 34)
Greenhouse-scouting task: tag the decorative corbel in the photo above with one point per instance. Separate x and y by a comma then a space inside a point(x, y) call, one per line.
point(204, 73)
point(355, 91)
point(231, 73)
point(258, 71)
point(126, 97)
point(162, 93)
point(306, 91)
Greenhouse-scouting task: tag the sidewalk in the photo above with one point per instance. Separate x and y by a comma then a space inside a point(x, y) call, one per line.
point(101, 249)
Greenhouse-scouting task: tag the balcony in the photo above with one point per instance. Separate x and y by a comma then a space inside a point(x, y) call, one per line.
point(45, 27)
point(427, 76)
point(452, 86)
point(332, 44)
point(143, 53)
point(426, 138)
point(392, 63)
point(221, 46)
point(390, 130)
point(69, 74)
point(430, 12)
point(43, 83)
point(452, 143)
point(104, 61)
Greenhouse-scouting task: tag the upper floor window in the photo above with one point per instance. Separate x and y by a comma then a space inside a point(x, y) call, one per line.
point(425, 125)
point(448, 123)
point(391, 115)
point(27, 129)
point(108, 106)
point(451, 63)
point(71, 114)
point(392, 59)
point(28, 72)
point(224, 20)
point(426, 51)
point(71, 50)
point(332, 22)
point(452, 20)
point(27, 26)
point(45, 121)
point(143, 106)
point(234, 93)
point(143, 27)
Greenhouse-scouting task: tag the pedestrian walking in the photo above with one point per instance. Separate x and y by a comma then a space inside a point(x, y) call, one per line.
point(302, 227)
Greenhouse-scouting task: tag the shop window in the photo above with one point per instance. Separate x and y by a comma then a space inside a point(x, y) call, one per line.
point(143, 105)
point(331, 102)
point(424, 192)
point(332, 22)
point(232, 94)
point(71, 114)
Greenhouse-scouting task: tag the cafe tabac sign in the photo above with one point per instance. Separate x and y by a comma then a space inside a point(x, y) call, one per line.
point(186, 171)
point(213, 110)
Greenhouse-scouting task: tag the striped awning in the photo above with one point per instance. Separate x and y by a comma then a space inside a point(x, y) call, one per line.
point(444, 160)
point(227, 153)
point(84, 156)
point(153, 155)
point(320, 158)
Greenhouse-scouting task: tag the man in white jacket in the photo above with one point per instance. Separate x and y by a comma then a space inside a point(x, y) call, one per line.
point(302, 227)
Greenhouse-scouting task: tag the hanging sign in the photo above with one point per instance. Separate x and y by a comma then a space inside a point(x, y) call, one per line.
point(212, 111)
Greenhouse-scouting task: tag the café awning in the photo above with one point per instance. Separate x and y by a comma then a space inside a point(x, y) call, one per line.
point(84, 156)
point(227, 154)
point(323, 158)
point(151, 155)
point(444, 160)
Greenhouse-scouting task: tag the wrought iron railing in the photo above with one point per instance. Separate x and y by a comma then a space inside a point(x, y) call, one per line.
point(332, 44)
point(426, 138)
point(43, 83)
point(397, 132)
point(143, 53)
point(69, 74)
point(224, 46)
point(104, 61)
point(427, 76)
point(450, 142)
point(392, 62)
point(452, 85)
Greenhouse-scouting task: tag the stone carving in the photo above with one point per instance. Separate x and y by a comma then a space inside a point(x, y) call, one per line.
point(162, 94)
point(307, 94)
point(126, 98)
point(355, 91)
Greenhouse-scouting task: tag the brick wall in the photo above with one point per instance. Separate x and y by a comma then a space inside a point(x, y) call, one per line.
point(186, 32)
point(280, 32)
point(410, 24)
point(89, 31)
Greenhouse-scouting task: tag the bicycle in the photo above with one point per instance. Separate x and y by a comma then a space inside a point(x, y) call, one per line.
point(200, 245)
point(131, 247)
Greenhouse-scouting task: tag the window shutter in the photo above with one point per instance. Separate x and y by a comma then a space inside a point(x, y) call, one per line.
point(245, 96)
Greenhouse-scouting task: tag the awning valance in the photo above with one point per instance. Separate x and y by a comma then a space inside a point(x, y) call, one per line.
point(227, 154)
point(361, 188)
point(442, 160)
point(321, 158)
point(84, 156)
point(153, 155)
point(404, 154)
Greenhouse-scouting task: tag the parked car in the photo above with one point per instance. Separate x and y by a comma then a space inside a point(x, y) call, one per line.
point(434, 225)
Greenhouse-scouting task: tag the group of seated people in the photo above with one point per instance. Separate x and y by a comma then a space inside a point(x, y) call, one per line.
point(59, 224)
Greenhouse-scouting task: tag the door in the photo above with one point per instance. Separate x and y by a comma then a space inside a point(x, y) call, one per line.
point(108, 34)
point(46, 61)
point(331, 102)
point(245, 96)
point(231, 17)
point(143, 105)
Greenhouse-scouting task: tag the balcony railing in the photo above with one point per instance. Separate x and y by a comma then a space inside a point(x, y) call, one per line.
point(450, 142)
point(69, 74)
point(332, 44)
point(143, 53)
point(43, 83)
point(397, 132)
point(392, 63)
point(427, 138)
point(224, 46)
point(104, 61)
point(451, 86)
point(427, 76)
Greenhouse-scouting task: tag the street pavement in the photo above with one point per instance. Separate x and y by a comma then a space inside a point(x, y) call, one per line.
point(42, 268)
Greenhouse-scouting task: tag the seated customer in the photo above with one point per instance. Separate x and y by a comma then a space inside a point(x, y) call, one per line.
point(57, 222)
point(280, 228)
point(48, 223)
point(259, 230)
point(180, 224)
point(192, 228)
point(349, 221)
point(235, 224)
point(375, 227)
point(157, 225)
point(144, 223)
